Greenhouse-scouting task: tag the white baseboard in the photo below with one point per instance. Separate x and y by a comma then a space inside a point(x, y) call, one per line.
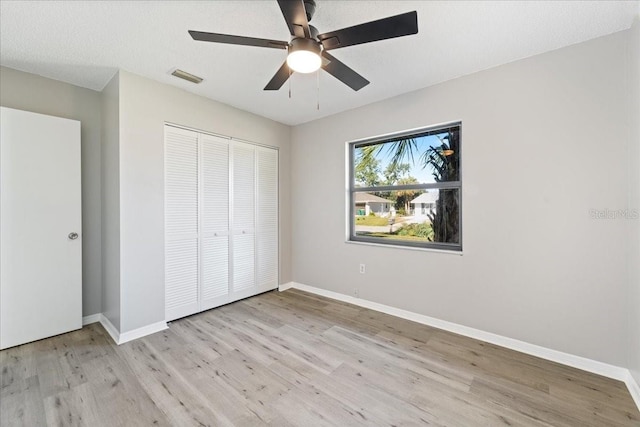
point(141, 332)
point(111, 330)
point(285, 286)
point(121, 338)
point(634, 389)
point(589, 365)
point(92, 318)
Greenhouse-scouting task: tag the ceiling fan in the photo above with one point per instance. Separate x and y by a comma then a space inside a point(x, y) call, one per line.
point(308, 50)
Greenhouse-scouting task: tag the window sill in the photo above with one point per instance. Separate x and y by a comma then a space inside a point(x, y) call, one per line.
point(410, 248)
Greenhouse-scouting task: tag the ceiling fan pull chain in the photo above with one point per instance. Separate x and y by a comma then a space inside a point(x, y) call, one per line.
point(289, 83)
point(318, 87)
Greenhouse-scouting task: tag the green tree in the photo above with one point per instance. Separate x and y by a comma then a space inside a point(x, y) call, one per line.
point(444, 164)
point(367, 168)
point(404, 197)
point(394, 171)
point(397, 173)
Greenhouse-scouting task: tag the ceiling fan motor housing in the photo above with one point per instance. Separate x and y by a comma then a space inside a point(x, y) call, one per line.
point(310, 8)
point(310, 45)
point(314, 32)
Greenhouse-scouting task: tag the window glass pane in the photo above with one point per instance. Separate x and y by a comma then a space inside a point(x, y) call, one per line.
point(408, 216)
point(432, 157)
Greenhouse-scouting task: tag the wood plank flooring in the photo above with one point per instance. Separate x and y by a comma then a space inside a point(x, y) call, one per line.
point(296, 359)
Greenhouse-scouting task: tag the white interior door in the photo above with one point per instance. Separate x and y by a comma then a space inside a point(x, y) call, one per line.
point(181, 223)
point(40, 227)
point(214, 221)
point(267, 219)
point(243, 221)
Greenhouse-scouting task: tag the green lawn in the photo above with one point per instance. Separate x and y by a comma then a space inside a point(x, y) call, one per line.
point(371, 220)
point(390, 236)
point(415, 232)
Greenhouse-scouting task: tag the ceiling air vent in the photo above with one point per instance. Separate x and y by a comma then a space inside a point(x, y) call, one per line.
point(186, 76)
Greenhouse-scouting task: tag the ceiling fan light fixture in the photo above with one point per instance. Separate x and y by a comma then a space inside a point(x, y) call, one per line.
point(304, 56)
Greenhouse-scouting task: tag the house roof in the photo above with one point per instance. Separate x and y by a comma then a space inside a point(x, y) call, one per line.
point(428, 197)
point(370, 198)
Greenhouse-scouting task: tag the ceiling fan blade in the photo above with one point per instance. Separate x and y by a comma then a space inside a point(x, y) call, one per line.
point(296, 17)
point(343, 73)
point(382, 29)
point(245, 41)
point(279, 78)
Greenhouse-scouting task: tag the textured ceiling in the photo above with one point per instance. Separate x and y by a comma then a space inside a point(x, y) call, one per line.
point(85, 42)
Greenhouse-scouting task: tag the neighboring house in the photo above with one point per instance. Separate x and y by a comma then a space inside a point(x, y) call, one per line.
point(425, 203)
point(367, 203)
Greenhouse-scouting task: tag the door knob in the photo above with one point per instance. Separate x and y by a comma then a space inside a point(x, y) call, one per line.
point(73, 236)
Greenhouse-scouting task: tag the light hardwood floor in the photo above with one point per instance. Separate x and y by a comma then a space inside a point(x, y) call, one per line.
point(295, 359)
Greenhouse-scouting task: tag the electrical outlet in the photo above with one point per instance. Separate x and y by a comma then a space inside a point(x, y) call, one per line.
point(362, 269)
point(356, 292)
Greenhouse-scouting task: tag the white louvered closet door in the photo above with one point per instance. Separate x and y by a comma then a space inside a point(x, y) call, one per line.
point(221, 221)
point(181, 223)
point(267, 219)
point(244, 213)
point(214, 221)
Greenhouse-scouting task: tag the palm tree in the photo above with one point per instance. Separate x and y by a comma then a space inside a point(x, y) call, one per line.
point(367, 168)
point(405, 196)
point(444, 162)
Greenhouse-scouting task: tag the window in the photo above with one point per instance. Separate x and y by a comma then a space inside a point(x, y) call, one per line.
point(405, 189)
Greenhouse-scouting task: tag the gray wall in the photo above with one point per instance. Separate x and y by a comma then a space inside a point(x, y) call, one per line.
point(536, 267)
point(544, 141)
point(24, 91)
point(634, 201)
point(144, 107)
point(111, 201)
